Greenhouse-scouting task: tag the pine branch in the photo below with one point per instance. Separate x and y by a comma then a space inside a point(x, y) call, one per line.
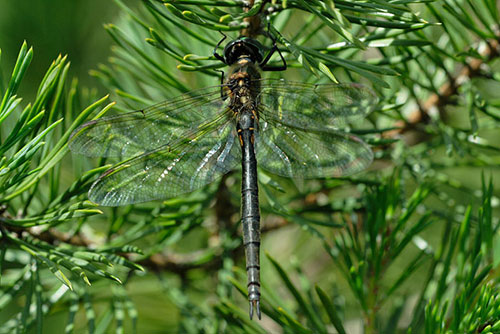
point(412, 233)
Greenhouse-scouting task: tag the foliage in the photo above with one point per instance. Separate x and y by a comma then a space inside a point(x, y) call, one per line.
point(410, 246)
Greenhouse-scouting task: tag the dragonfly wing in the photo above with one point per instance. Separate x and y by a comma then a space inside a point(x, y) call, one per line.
point(141, 131)
point(310, 106)
point(297, 153)
point(199, 159)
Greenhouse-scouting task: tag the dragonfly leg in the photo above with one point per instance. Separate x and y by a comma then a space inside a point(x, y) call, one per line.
point(216, 55)
point(222, 95)
point(263, 65)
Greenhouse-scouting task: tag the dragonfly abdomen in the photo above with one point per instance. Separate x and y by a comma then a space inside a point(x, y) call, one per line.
point(250, 215)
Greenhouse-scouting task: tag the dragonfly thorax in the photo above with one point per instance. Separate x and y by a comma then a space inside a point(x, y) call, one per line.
point(243, 82)
point(243, 89)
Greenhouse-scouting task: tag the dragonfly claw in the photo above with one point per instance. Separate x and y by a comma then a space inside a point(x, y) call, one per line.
point(256, 304)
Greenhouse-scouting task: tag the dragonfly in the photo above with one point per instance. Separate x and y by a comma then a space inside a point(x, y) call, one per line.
point(291, 129)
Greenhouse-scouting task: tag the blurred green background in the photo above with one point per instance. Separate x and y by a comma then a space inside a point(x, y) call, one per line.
point(73, 28)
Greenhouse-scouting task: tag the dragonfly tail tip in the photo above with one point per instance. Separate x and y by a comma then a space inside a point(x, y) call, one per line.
point(256, 304)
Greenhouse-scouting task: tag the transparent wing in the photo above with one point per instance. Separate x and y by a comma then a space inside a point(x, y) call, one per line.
point(145, 130)
point(310, 106)
point(201, 157)
point(297, 153)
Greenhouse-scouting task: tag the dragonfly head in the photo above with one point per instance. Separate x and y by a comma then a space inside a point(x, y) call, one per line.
point(243, 46)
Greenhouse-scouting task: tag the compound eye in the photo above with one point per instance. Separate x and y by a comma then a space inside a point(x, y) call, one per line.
point(229, 57)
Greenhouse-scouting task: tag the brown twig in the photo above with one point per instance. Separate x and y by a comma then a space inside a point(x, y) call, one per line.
point(180, 263)
point(438, 101)
point(254, 22)
point(54, 237)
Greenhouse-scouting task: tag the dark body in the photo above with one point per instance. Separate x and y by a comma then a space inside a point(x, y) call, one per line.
point(243, 89)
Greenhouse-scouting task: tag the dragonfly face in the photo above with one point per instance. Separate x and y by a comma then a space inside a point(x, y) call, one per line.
point(291, 129)
point(251, 48)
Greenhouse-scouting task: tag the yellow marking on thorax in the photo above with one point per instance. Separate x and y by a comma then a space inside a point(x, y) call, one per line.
point(238, 75)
